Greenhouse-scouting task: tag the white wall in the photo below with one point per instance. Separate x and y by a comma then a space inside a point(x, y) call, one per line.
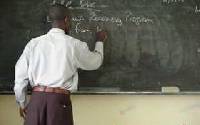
point(120, 110)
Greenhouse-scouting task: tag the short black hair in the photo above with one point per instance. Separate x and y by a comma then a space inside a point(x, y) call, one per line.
point(58, 12)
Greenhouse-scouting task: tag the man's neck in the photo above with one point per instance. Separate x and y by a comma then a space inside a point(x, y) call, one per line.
point(58, 24)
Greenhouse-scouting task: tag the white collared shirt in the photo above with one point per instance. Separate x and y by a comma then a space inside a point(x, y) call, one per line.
point(52, 60)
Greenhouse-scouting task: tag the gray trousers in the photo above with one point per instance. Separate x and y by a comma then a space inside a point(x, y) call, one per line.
point(49, 109)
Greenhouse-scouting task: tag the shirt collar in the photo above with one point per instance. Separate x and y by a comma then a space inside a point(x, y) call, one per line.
point(56, 30)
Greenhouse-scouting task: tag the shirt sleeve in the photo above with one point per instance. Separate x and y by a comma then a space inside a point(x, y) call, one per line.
point(86, 59)
point(21, 77)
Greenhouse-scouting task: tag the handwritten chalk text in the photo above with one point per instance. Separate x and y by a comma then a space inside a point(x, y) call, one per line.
point(197, 9)
point(116, 20)
point(172, 1)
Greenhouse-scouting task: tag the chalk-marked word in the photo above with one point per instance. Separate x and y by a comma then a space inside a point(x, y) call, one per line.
point(62, 2)
point(197, 9)
point(96, 18)
point(136, 19)
point(87, 4)
point(172, 1)
point(68, 3)
point(78, 18)
point(116, 20)
point(78, 29)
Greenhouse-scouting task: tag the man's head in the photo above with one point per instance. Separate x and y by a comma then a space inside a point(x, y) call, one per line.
point(59, 15)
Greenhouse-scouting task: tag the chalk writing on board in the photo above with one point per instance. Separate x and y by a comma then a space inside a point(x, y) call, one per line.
point(172, 1)
point(68, 3)
point(78, 18)
point(129, 18)
point(96, 18)
point(79, 29)
point(137, 19)
point(87, 5)
point(90, 8)
point(116, 20)
point(197, 9)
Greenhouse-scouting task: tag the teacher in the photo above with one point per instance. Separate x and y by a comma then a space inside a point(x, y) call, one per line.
point(49, 63)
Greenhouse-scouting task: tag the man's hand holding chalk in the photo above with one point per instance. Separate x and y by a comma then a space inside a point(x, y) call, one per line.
point(101, 36)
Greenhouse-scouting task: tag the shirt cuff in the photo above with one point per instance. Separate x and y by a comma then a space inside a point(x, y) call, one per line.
point(22, 104)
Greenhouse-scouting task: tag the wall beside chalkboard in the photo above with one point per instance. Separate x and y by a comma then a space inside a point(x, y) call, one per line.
point(151, 43)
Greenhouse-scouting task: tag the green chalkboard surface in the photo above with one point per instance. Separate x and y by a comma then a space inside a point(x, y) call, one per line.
point(151, 43)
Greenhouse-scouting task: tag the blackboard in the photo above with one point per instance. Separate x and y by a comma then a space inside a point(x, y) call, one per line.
point(151, 43)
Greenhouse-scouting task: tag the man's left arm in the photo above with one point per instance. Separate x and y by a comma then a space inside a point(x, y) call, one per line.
point(21, 78)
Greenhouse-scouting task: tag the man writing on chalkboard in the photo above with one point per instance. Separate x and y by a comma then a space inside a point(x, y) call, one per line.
point(49, 63)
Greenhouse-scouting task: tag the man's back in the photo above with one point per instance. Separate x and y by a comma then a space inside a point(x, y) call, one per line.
point(51, 59)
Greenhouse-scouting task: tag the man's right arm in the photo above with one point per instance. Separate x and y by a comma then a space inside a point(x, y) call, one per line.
point(90, 60)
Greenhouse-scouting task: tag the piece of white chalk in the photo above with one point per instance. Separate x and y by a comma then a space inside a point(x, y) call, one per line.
point(170, 89)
